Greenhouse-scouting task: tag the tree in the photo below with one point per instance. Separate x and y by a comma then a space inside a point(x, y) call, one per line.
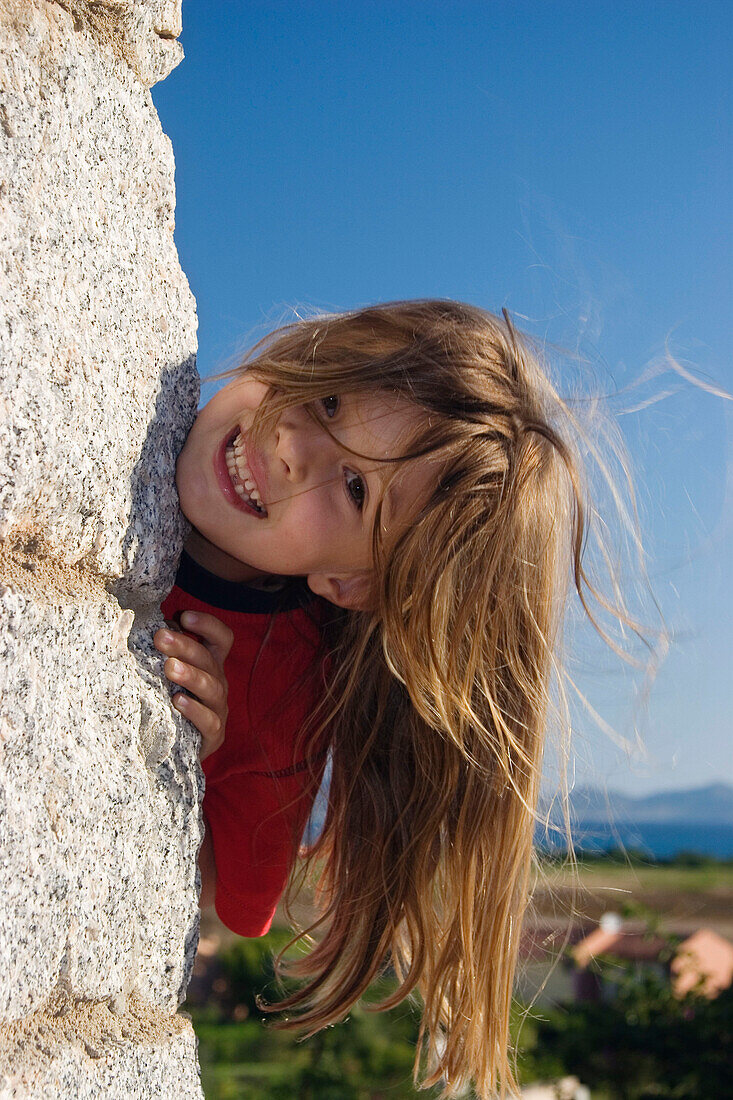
point(642, 1042)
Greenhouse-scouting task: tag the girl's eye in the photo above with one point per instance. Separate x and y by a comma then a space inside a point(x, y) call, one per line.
point(330, 405)
point(355, 487)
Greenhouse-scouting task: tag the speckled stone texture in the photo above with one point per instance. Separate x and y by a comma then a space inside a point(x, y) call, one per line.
point(99, 782)
point(123, 1050)
point(96, 347)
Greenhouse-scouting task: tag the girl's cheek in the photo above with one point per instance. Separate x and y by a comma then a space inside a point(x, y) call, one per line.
point(325, 532)
point(179, 479)
point(190, 484)
point(304, 523)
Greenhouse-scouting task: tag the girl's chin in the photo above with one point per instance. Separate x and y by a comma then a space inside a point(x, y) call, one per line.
point(216, 560)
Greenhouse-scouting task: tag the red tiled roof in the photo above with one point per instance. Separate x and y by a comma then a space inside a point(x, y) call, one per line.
point(705, 958)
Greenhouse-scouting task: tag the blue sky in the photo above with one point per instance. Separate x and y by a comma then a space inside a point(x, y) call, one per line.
point(570, 161)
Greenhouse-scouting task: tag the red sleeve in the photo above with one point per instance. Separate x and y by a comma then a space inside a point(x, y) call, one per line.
point(256, 822)
point(257, 801)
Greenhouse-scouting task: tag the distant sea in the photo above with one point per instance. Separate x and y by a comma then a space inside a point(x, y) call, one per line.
point(661, 840)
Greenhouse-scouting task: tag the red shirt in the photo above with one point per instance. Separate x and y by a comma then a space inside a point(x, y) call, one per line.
point(258, 796)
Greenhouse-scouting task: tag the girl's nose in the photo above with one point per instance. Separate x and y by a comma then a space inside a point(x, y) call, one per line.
point(300, 445)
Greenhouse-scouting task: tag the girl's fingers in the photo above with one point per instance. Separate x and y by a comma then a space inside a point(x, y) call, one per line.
point(210, 690)
point(209, 724)
point(175, 644)
point(216, 635)
point(197, 666)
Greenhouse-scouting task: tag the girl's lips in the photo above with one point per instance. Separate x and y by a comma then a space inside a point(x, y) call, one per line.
point(225, 482)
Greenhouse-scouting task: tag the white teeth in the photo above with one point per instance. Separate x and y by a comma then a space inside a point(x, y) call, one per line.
point(245, 474)
point(242, 480)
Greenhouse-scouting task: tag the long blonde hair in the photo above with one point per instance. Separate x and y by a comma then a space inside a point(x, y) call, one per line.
point(438, 697)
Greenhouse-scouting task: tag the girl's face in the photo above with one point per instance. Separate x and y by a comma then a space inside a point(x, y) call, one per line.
point(315, 512)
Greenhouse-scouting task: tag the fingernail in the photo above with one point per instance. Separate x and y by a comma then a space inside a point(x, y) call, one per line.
point(181, 700)
point(175, 666)
point(190, 617)
point(166, 636)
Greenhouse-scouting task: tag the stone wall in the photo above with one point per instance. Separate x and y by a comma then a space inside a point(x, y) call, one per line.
point(100, 786)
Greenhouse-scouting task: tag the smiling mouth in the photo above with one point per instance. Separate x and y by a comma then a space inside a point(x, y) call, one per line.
point(241, 476)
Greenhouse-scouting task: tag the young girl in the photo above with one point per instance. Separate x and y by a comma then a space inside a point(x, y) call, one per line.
point(408, 467)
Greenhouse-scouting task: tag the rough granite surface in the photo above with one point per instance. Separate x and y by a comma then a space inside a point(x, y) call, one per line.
point(100, 786)
point(96, 348)
point(120, 1050)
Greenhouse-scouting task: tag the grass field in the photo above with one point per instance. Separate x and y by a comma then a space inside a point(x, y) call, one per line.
point(684, 897)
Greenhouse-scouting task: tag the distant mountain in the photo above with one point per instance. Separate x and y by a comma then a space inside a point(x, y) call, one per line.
point(711, 805)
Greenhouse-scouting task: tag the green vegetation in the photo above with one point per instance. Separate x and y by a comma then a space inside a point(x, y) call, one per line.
point(638, 1043)
point(687, 877)
point(358, 1060)
point(634, 857)
point(367, 1057)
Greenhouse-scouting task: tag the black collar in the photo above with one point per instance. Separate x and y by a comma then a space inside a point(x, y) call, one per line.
point(234, 596)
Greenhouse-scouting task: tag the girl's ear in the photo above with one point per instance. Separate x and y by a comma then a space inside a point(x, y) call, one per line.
point(352, 591)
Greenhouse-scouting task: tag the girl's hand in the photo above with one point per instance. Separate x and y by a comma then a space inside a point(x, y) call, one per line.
point(199, 667)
